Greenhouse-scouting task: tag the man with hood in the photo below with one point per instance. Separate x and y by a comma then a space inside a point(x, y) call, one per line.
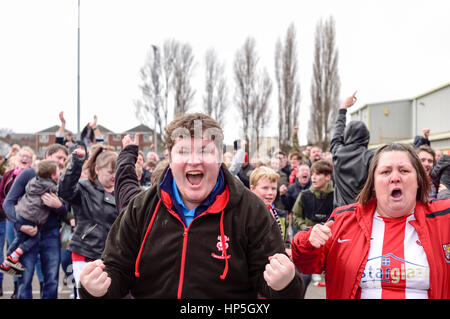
point(351, 157)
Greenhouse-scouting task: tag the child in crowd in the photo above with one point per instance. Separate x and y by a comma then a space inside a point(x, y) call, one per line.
point(263, 182)
point(31, 211)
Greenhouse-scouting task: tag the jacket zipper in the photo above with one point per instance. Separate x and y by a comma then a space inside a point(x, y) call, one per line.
point(184, 250)
point(88, 231)
point(183, 262)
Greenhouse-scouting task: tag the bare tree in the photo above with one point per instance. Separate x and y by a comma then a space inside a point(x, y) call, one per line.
point(253, 90)
point(183, 70)
point(148, 107)
point(170, 50)
point(325, 84)
point(156, 76)
point(244, 68)
point(286, 72)
point(261, 113)
point(215, 100)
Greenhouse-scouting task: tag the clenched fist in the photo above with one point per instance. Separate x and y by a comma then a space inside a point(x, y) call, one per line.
point(320, 234)
point(94, 279)
point(279, 272)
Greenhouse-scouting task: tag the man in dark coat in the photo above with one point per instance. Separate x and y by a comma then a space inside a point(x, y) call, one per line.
point(196, 233)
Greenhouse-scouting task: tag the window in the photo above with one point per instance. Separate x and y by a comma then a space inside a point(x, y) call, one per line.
point(43, 138)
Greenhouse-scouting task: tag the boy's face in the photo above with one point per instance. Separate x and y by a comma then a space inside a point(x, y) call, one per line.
point(55, 176)
point(266, 190)
point(320, 181)
point(294, 161)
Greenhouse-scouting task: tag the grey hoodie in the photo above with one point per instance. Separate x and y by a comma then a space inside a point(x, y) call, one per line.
point(30, 206)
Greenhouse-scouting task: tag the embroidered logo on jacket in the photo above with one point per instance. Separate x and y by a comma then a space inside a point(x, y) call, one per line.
point(220, 248)
point(446, 248)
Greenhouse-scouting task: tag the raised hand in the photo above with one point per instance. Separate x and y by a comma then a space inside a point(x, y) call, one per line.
point(126, 140)
point(349, 101)
point(61, 117)
point(320, 234)
point(79, 152)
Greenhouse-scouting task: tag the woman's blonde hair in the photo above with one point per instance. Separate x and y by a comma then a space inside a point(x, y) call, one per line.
point(17, 155)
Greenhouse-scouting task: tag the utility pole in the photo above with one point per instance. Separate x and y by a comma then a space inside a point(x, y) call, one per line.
point(155, 65)
point(78, 75)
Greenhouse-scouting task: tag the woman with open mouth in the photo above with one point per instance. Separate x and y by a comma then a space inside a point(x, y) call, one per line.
point(392, 244)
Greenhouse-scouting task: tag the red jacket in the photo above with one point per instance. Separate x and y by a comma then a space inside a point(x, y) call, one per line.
point(344, 263)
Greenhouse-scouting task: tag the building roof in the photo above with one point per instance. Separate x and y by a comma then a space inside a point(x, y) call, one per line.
point(103, 129)
point(52, 129)
point(431, 91)
point(140, 129)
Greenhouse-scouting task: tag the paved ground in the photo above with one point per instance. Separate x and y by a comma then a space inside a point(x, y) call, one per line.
point(8, 287)
point(315, 292)
point(64, 292)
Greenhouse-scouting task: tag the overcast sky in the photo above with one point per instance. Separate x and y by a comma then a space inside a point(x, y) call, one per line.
point(388, 50)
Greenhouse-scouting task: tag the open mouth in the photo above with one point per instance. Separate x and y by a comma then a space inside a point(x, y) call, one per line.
point(304, 177)
point(396, 193)
point(194, 177)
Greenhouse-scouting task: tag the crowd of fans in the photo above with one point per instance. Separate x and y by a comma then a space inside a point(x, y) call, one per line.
point(60, 208)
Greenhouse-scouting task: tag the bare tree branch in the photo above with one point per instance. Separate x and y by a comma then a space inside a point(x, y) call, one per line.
point(244, 68)
point(286, 70)
point(325, 86)
point(183, 69)
point(215, 100)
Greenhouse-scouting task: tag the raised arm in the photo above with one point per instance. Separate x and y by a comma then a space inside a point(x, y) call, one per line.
point(337, 139)
point(68, 184)
point(126, 183)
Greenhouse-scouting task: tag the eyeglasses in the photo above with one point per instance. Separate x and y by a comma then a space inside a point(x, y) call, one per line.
point(25, 156)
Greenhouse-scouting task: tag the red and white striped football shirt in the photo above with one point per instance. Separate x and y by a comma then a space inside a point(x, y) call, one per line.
point(397, 267)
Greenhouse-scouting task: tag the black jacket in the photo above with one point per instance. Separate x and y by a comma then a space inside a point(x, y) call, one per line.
point(244, 174)
point(291, 195)
point(222, 254)
point(351, 158)
point(126, 184)
point(93, 207)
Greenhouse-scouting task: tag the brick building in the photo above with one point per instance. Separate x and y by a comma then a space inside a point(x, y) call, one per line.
point(40, 140)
